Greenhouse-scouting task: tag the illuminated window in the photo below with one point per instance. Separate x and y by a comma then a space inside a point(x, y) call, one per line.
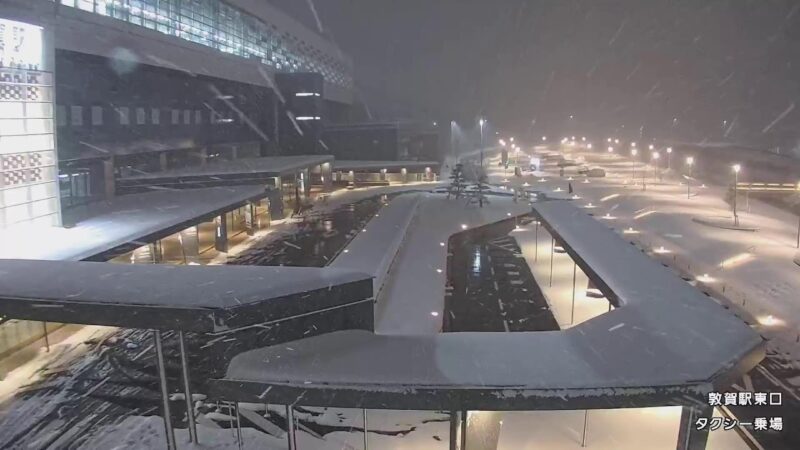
point(124, 115)
point(76, 115)
point(97, 115)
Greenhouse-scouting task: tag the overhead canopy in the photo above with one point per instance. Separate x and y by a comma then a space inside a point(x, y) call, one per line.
point(224, 173)
point(667, 343)
point(105, 229)
point(358, 165)
point(191, 298)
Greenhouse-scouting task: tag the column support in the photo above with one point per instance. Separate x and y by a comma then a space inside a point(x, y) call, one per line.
point(292, 439)
point(162, 378)
point(221, 233)
point(453, 430)
point(552, 252)
point(366, 444)
point(689, 437)
point(464, 415)
point(187, 389)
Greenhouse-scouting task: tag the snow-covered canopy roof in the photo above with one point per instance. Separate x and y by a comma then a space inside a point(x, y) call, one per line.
point(666, 344)
point(191, 298)
point(388, 165)
point(267, 166)
point(111, 226)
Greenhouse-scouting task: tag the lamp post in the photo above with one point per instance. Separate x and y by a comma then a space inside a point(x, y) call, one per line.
point(481, 122)
point(736, 169)
point(690, 163)
point(655, 157)
point(633, 164)
point(669, 158)
point(798, 221)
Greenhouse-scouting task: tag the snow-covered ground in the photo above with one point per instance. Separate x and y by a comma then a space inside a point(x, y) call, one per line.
point(755, 270)
point(621, 429)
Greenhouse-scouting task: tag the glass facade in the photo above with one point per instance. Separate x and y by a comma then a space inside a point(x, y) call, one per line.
point(215, 24)
point(28, 174)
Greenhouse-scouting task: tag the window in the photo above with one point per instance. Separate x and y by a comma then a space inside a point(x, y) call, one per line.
point(198, 117)
point(97, 115)
point(155, 116)
point(187, 117)
point(124, 115)
point(76, 115)
point(176, 116)
point(141, 118)
point(61, 115)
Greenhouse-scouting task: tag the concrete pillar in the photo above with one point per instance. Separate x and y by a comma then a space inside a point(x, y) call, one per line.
point(234, 152)
point(453, 442)
point(109, 182)
point(383, 175)
point(221, 233)
point(326, 173)
point(404, 175)
point(191, 245)
point(250, 218)
point(689, 437)
point(155, 251)
point(276, 203)
point(203, 155)
point(162, 161)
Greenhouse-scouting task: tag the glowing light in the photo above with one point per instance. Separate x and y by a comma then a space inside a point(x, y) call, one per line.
point(441, 244)
point(737, 168)
point(769, 321)
point(463, 226)
point(661, 250)
point(741, 258)
point(435, 313)
point(346, 251)
point(438, 270)
point(644, 214)
point(705, 278)
point(609, 197)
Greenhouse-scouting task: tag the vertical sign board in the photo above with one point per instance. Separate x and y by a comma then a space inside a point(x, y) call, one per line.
point(29, 191)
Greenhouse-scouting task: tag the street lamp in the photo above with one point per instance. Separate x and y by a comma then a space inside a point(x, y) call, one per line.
point(633, 165)
point(544, 138)
point(690, 163)
point(798, 220)
point(736, 169)
point(610, 149)
point(655, 157)
point(669, 158)
point(481, 122)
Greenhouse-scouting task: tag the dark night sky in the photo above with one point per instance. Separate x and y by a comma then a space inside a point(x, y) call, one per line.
point(608, 62)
